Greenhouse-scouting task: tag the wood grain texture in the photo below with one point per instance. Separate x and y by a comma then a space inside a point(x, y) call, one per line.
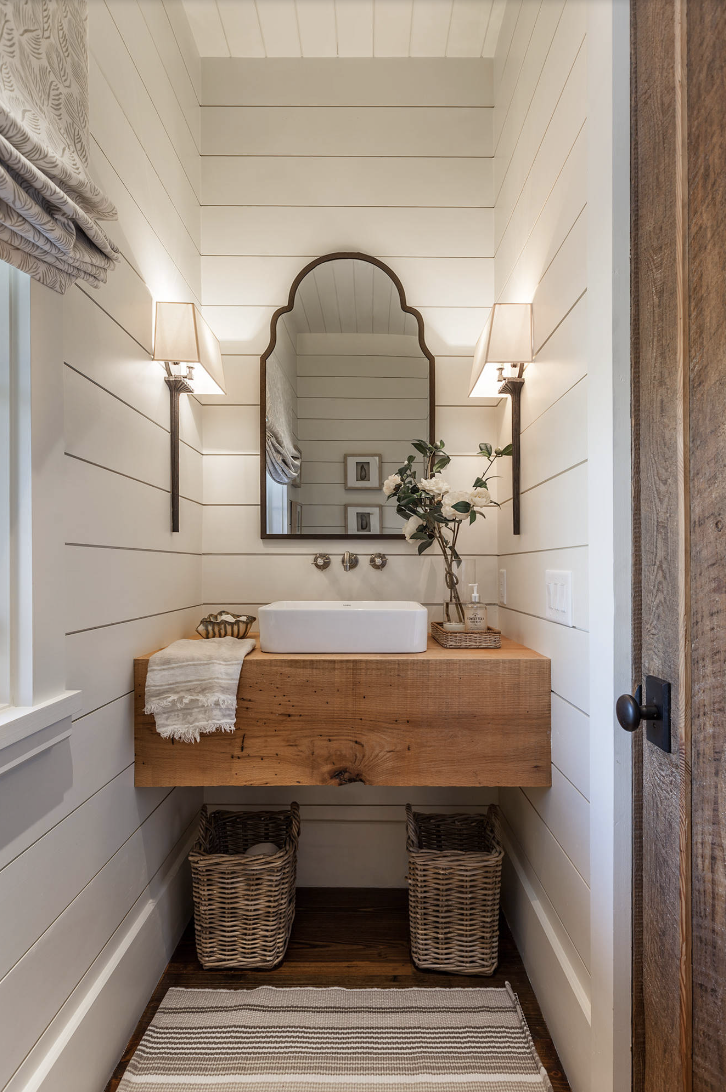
point(683, 496)
point(638, 1010)
point(443, 717)
point(358, 939)
point(707, 257)
point(659, 289)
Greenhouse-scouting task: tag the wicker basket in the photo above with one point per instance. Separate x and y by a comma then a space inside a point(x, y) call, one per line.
point(490, 638)
point(244, 906)
point(454, 879)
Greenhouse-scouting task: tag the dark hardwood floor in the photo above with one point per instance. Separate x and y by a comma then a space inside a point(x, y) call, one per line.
point(354, 938)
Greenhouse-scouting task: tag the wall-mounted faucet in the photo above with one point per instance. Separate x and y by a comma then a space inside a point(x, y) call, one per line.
point(378, 561)
point(349, 560)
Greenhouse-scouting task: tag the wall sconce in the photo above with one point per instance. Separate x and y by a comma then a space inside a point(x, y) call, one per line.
point(191, 355)
point(506, 338)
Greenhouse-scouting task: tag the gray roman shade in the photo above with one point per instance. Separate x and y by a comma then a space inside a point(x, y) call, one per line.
point(282, 453)
point(49, 207)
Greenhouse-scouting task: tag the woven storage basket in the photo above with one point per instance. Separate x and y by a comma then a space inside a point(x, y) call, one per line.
point(244, 906)
point(489, 638)
point(454, 879)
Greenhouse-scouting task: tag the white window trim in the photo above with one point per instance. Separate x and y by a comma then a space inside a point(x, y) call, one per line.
point(33, 693)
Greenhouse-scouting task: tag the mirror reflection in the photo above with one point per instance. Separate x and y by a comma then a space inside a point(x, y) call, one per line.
point(346, 390)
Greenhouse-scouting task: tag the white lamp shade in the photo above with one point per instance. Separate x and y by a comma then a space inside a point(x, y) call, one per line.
point(506, 339)
point(181, 335)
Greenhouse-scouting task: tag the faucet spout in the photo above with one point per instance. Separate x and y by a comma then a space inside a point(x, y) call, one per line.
point(349, 560)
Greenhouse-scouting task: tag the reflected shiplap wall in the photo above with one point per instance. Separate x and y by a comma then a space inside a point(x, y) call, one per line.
point(93, 884)
point(364, 394)
point(391, 157)
point(540, 187)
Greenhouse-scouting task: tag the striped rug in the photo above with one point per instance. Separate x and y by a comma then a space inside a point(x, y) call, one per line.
point(320, 1040)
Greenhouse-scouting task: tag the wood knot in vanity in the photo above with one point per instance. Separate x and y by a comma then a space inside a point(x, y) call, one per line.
point(346, 777)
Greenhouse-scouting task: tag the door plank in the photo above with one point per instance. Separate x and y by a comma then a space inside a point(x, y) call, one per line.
point(707, 215)
point(658, 288)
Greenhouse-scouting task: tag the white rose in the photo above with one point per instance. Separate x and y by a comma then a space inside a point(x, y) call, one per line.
point(454, 496)
point(435, 485)
point(391, 483)
point(411, 526)
point(480, 498)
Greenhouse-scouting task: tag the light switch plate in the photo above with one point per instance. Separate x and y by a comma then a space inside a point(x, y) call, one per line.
point(503, 587)
point(558, 592)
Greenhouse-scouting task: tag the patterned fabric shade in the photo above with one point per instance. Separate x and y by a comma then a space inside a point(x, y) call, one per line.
point(49, 207)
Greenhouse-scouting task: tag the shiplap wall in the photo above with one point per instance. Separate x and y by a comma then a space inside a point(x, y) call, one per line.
point(307, 157)
point(540, 187)
point(93, 883)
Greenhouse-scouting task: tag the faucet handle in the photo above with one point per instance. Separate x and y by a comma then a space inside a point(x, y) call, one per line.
point(378, 561)
point(321, 561)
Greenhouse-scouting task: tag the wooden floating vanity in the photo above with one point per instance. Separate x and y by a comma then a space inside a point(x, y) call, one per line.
point(441, 717)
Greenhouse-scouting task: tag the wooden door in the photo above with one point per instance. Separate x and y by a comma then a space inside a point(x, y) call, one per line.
point(679, 441)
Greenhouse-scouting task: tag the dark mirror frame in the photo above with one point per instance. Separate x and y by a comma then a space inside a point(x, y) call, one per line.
point(264, 533)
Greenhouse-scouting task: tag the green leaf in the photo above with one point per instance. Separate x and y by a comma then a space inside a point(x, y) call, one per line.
point(462, 506)
point(420, 446)
point(411, 459)
point(472, 516)
point(506, 450)
point(425, 545)
point(420, 535)
point(485, 449)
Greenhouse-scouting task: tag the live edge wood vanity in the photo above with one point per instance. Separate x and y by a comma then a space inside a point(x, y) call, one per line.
point(441, 717)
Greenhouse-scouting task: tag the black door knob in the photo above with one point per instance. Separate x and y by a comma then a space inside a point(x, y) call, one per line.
point(630, 712)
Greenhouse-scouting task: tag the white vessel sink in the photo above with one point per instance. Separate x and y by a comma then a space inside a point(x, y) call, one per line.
point(357, 626)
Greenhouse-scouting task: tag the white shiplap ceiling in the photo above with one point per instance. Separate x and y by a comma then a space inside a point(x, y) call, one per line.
point(348, 297)
point(345, 28)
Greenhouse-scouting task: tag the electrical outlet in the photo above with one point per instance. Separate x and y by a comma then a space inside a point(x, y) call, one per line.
point(558, 591)
point(503, 587)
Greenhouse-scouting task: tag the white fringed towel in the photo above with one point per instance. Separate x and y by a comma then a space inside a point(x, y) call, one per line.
point(191, 687)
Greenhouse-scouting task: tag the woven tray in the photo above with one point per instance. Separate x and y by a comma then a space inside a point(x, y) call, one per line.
point(491, 639)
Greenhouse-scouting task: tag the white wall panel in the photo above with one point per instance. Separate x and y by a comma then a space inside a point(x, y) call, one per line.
point(112, 585)
point(566, 889)
point(289, 180)
point(103, 429)
point(417, 232)
point(98, 503)
point(347, 130)
point(378, 81)
point(173, 59)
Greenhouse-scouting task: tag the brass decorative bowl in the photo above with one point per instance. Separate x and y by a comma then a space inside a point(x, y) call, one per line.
point(225, 624)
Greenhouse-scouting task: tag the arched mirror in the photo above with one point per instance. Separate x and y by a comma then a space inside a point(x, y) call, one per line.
point(347, 383)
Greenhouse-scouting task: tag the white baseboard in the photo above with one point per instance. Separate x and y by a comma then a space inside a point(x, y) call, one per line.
point(561, 987)
point(81, 1047)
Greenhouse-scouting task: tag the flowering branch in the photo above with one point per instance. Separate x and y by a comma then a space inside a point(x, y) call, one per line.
point(434, 512)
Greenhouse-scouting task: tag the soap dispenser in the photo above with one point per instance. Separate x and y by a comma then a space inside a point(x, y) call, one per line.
point(475, 613)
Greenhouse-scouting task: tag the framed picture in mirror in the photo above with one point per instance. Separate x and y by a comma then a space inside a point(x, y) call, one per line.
point(363, 519)
point(362, 471)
